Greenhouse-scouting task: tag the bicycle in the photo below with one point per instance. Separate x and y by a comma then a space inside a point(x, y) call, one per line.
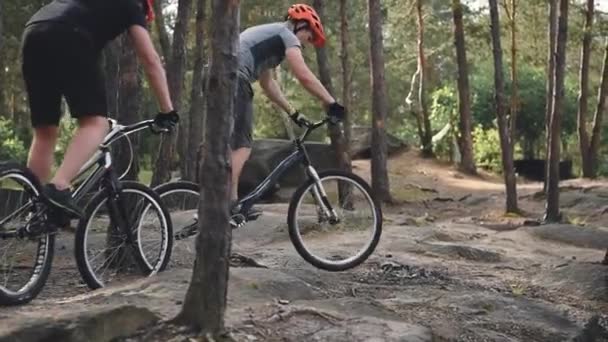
point(122, 235)
point(317, 208)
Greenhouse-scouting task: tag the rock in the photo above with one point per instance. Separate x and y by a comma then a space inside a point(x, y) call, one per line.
point(362, 139)
point(587, 237)
point(95, 324)
point(465, 252)
point(582, 280)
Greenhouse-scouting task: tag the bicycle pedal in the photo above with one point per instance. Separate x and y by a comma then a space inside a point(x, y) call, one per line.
point(237, 221)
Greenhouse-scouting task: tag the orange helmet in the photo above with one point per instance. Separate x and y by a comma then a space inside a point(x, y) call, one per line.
point(308, 14)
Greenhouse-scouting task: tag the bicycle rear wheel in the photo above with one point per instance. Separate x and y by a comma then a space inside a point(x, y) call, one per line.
point(104, 252)
point(334, 242)
point(26, 252)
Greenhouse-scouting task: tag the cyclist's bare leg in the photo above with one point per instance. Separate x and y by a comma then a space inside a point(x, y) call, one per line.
point(239, 157)
point(84, 143)
point(40, 158)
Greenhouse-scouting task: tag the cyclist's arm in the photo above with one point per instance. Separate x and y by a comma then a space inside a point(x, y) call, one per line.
point(273, 91)
point(309, 81)
point(152, 65)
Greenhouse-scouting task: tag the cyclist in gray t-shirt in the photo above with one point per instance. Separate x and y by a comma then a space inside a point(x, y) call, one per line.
point(262, 48)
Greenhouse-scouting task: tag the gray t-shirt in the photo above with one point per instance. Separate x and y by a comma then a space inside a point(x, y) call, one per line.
point(263, 47)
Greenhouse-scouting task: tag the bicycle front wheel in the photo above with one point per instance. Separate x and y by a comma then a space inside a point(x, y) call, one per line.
point(104, 252)
point(26, 243)
point(334, 224)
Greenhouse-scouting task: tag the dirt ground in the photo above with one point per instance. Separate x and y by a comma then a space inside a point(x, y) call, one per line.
point(450, 266)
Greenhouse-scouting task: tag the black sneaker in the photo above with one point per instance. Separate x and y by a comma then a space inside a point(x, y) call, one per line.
point(62, 201)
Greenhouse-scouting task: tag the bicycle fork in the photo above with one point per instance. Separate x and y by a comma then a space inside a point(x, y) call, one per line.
point(321, 196)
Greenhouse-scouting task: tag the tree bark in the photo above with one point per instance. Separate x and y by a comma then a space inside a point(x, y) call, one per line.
point(380, 181)
point(465, 140)
point(169, 153)
point(3, 106)
point(583, 95)
point(335, 133)
point(205, 302)
point(553, 157)
point(427, 138)
point(599, 114)
point(129, 105)
point(161, 29)
point(197, 105)
point(503, 125)
point(346, 71)
point(551, 37)
point(512, 12)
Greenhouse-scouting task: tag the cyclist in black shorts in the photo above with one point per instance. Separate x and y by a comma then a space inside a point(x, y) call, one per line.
point(62, 46)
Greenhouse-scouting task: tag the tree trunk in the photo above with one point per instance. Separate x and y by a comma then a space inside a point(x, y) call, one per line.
point(169, 153)
point(129, 104)
point(465, 140)
point(161, 29)
point(197, 112)
point(335, 133)
point(514, 95)
point(599, 114)
point(346, 71)
point(552, 214)
point(427, 138)
point(3, 106)
point(205, 302)
point(503, 126)
point(583, 95)
point(551, 37)
point(380, 181)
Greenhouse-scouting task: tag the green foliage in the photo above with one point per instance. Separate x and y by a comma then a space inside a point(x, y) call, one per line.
point(444, 111)
point(66, 130)
point(11, 147)
point(486, 145)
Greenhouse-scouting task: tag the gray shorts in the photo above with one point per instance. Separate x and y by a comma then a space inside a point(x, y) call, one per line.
point(242, 133)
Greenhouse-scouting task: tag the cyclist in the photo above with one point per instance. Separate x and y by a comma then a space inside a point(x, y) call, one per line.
point(62, 46)
point(262, 48)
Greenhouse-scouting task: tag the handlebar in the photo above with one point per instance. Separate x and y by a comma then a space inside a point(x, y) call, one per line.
point(117, 130)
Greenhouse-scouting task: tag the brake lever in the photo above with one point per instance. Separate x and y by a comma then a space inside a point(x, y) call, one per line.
point(158, 130)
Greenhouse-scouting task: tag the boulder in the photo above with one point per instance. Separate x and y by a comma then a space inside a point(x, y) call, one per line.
point(361, 143)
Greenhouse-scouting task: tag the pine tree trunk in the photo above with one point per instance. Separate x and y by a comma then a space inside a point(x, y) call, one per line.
point(380, 181)
point(205, 303)
point(129, 105)
point(169, 153)
point(503, 125)
point(3, 106)
point(465, 140)
point(161, 29)
point(335, 133)
point(514, 85)
point(599, 115)
point(427, 143)
point(552, 208)
point(197, 112)
point(346, 71)
point(583, 95)
point(551, 37)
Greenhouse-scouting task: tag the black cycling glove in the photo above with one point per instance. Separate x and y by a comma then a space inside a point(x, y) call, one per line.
point(166, 120)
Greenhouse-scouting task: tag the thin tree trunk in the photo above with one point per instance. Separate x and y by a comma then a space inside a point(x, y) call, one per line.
point(514, 86)
point(551, 37)
point(161, 29)
point(583, 95)
point(599, 114)
point(169, 154)
point(503, 125)
point(197, 112)
point(335, 133)
point(346, 71)
point(465, 140)
point(552, 208)
point(427, 141)
point(380, 181)
point(129, 104)
point(205, 303)
point(3, 106)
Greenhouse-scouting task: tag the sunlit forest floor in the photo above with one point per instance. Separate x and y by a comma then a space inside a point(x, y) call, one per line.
point(450, 267)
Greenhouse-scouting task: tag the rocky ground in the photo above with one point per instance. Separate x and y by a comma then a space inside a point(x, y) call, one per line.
point(450, 267)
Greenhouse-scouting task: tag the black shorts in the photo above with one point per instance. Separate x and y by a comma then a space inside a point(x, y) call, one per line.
point(242, 133)
point(61, 61)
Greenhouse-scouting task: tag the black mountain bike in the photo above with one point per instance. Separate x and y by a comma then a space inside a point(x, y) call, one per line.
point(125, 232)
point(333, 220)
